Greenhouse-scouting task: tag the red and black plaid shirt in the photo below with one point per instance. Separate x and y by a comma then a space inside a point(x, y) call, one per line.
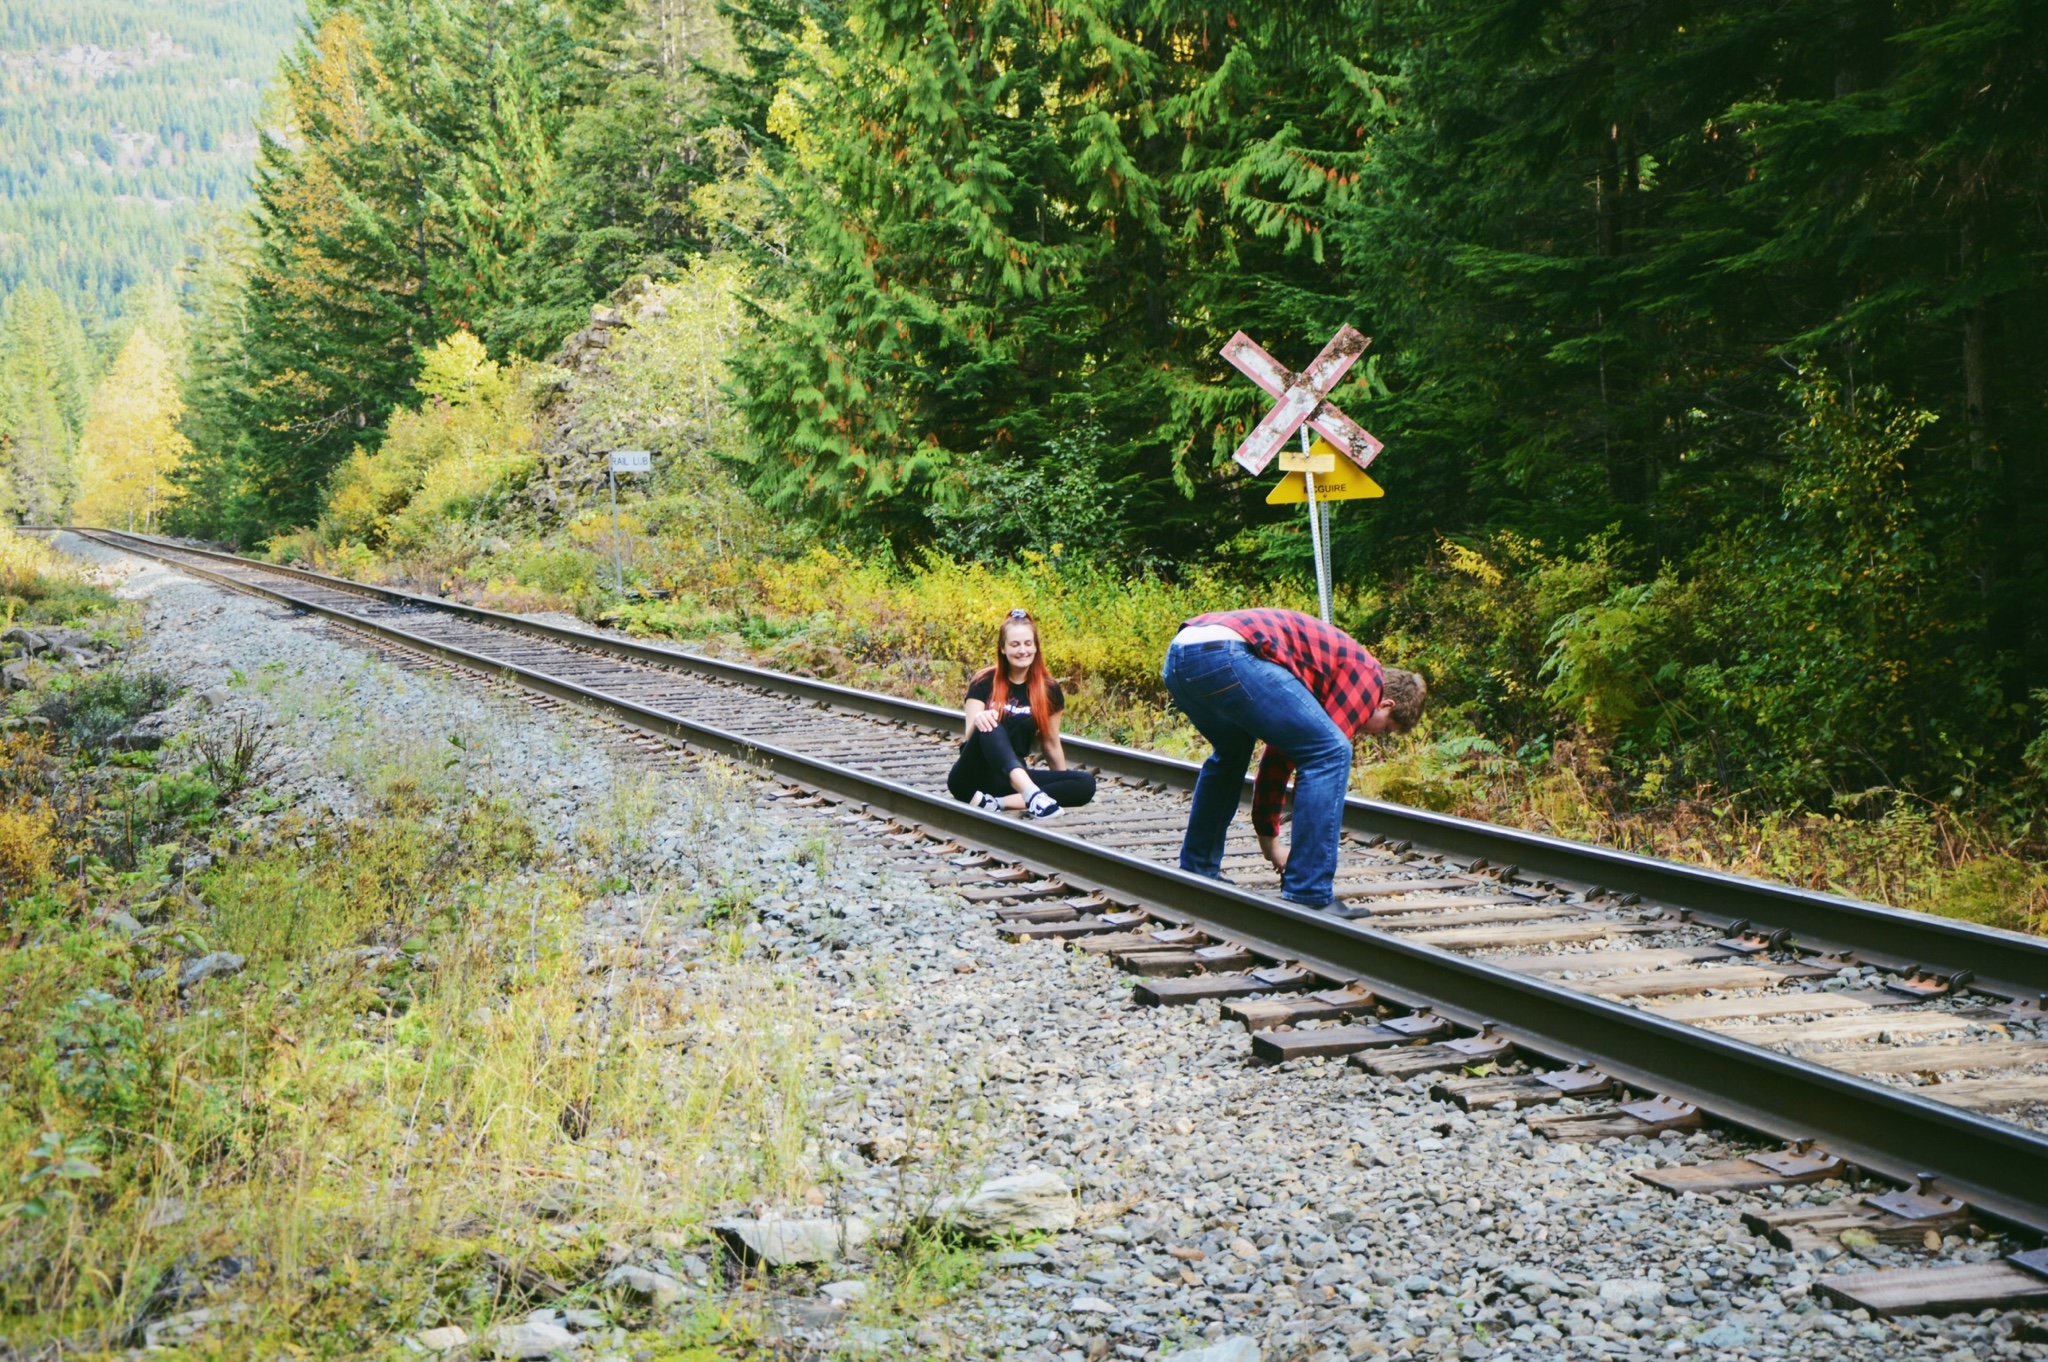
point(1344, 677)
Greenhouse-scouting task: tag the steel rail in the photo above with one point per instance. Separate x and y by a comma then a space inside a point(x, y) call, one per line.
point(2001, 1169)
point(2008, 964)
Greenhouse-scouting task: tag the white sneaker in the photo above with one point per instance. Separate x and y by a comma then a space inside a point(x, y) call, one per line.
point(1042, 805)
point(986, 802)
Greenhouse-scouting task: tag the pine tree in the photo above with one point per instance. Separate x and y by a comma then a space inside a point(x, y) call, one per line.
point(639, 146)
point(1016, 231)
point(43, 387)
point(420, 143)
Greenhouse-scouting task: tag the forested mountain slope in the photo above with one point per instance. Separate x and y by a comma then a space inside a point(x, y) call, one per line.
point(125, 127)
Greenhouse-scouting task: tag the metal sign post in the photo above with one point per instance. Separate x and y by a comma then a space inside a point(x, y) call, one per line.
point(1301, 405)
point(622, 461)
point(1318, 531)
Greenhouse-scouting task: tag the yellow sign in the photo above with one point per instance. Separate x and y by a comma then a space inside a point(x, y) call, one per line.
point(1315, 461)
point(1348, 483)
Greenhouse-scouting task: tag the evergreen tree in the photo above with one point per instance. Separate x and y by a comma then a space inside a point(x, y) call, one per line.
point(44, 363)
point(638, 147)
point(420, 144)
point(1015, 231)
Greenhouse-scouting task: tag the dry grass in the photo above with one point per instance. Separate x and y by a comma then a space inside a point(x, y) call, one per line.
point(41, 586)
point(378, 1100)
point(1886, 847)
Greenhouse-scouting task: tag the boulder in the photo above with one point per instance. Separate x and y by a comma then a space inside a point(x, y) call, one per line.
point(443, 1339)
point(655, 1288)
point(1239, 1349)
point(197, 972)
point(533, 1339)
point(788, 1243)
point(14, 675)
point(1637, 1293)
point(1017, 1204)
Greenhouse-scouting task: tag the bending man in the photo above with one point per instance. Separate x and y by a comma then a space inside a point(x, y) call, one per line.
point(1304, 689)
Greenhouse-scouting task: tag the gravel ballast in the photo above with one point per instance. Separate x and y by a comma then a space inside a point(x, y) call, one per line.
point(1312, 1209)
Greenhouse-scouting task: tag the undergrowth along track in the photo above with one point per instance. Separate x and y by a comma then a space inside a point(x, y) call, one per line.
point(1713, 993)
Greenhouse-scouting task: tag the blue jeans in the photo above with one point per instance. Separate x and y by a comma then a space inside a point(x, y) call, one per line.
point(1237, 699)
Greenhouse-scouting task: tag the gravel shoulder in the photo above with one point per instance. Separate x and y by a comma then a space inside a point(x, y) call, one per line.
point(1313, 1209)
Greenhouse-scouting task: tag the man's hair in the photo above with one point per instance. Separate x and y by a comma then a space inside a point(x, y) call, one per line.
point(1407, 691)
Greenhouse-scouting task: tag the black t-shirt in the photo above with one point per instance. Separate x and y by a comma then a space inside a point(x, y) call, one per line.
point(1018, 720)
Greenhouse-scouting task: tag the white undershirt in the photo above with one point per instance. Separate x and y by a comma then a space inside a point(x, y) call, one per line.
point(1208, 633)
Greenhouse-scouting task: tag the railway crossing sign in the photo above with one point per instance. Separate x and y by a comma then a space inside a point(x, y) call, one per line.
point(1301, 405)
point(1301, 399)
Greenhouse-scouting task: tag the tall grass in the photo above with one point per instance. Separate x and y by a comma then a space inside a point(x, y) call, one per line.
point(424, 1061)
point(41, 586)
point(1887, 846)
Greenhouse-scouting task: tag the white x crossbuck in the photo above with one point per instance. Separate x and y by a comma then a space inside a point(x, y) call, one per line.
point(1301, 399)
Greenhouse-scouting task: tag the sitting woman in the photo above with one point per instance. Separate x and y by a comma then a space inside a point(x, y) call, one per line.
point(1008, 705)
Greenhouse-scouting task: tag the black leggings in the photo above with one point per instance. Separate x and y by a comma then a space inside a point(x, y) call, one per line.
point(986, 760)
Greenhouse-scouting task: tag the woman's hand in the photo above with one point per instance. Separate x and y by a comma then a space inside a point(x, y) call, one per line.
point(1055, 755)
point(980, 718)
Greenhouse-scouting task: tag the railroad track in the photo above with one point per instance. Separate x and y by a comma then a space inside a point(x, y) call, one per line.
point(1610, 995)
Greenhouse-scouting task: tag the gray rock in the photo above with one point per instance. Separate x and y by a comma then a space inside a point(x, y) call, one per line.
point(1722, 1336)
point(1636, 1293)
point(535, 1338)
point(656, 1288)
point(163, 1212)
point(1017, 1204)
point(14, 675)
point(1090, 1305)
point(844, 1293)
point(219, 963)
point(787, 1243)
point(1238, 1349)
point(441, 1340)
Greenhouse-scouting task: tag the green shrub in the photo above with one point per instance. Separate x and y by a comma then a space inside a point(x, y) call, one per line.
point(93, 708)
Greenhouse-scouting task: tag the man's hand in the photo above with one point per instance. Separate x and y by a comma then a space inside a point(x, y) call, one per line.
point(1272, 850)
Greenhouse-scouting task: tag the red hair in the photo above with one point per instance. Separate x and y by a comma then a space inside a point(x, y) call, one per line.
point(1037, 681)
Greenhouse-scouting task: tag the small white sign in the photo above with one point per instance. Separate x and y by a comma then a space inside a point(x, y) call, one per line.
point(631, 461)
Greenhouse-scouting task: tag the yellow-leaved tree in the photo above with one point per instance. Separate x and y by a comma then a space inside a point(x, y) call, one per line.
point(130, 444)
point(471, 439)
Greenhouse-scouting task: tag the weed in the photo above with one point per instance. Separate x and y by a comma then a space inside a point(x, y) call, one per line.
point(238, 758)
point(56, 1166)
point(815, 850)
point(374, 1104)
point(730, 904)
